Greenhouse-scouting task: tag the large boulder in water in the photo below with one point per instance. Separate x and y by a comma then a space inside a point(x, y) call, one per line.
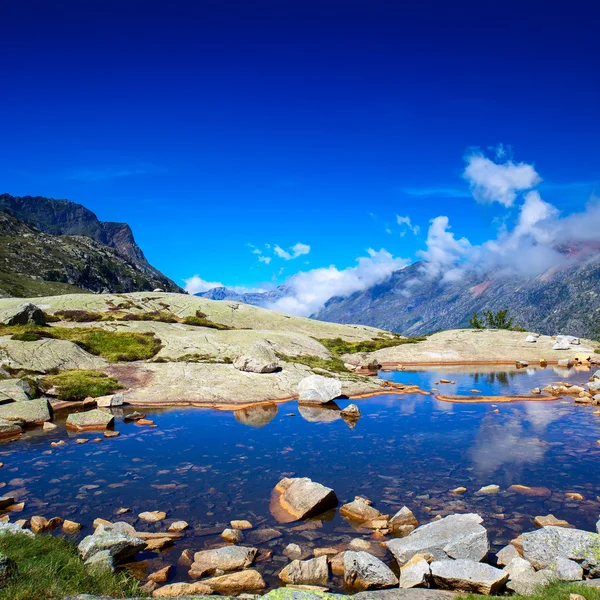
point(227, 558)
point(363, 571)
point(26, 314)
point(319, 389)
point(301, 497)
point(455, 536)
point(89, 420)
point(542, 548)
point(120, 545)
point(29, 412)
point(306, 572)
point(259, 358)
point(468, 576)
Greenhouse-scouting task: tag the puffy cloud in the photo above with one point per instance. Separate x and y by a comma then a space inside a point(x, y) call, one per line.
point(443, 250)
point(196, 285)
point(310, 290)
point(297, 250)
point(265, 259)
point(405, 221)
point(494, 182)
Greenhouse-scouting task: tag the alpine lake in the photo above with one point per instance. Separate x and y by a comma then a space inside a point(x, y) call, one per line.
point(209, 467)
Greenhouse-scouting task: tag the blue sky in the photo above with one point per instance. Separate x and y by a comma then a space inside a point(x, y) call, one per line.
point(216, 128)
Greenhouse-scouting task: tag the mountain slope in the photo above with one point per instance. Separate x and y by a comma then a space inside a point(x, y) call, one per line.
point(562, 300)
point(262, 299)
point(33, 263)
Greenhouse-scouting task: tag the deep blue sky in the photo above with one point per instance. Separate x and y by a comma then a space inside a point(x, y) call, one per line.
point(211, 125)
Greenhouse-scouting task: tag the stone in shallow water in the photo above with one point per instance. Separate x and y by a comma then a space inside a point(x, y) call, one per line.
point(302, 497)
point(152, 516)
point(175, 590)
point(9, 429)
point(468, 576)
point(541, 521)
point(241, 524)
point(228, 558)
point(454, 536)
point(350, 412)
point(363, 571)
point(415, 573)
point(306, 572)
point(403, 522)
point(232, 536)
point(359, 510)
point(29, 412)
point(234, 583)
point(120, 546)
point(89, 420)
point(178, 526)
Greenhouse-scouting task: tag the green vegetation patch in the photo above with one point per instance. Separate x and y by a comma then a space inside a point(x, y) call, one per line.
point(49, 567)
point(338, 346)
point(552, 591)
point(74, 385)
point(335, 365)
point(491, 320)
point(112, 345)
point(196, 357)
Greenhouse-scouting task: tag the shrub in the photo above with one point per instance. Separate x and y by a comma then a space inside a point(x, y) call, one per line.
point(491, 320)
point(77, 384)
point(338, 346)
point(49, 567)
point(26, 336)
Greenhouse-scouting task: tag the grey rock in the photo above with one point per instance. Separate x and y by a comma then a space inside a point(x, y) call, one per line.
point(543, 547)
point(14, 529)
point(259, 358)
point(17, 390)
point(523, 579)
point(455, 536)
point(120, 546)
point(109, 401)
point(593, 387)
point(468, 576)
point(403, 522)
point(519, 567)
point(363, 571)
point(350, 412)
point(102, 561)
point(561, 346)
point(293, 551)
point(227, 558)
point(565, 569)
point(26, 314)
point(118, 527)
point(302, 497)
point(9, 428)
point(306, 572)
point(415, 573)
point(568, 339)
point(405, 594)
point(31, 412)
point(89, 420)
point(506, 554)
point(531, 339)
point(595, 376)
point(319, 389)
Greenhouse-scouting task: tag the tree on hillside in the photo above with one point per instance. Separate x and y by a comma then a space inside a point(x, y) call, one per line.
point(491, 320)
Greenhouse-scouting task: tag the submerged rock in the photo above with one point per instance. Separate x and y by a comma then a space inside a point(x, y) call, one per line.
point(363, 571)
point(319, 389)
point(89, 420)
point(306, 572)
point(468, 576)
point(302, 497)
point(228, 558)
point(359, 510)
point(454, 536)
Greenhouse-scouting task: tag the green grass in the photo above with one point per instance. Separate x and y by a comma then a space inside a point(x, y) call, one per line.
point(335, 365)
point(77, 384)
point(552, 591)
point(338, 346)
point(50, 568)
point(111, 345)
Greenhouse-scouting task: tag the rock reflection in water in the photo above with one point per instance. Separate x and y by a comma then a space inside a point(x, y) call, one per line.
point(320, 413)
point(256, 416)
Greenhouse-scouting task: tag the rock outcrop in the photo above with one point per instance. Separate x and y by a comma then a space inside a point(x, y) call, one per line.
point(363, 571)
point(302, 497)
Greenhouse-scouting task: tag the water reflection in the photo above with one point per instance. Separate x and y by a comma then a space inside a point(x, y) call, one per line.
point(320, 413)
point(256, 416)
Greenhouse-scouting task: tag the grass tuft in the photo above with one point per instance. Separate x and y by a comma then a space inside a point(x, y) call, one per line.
point(553, 591)
point(50, 568)
point(75, 385)
point(338, 346)
point(334, 364)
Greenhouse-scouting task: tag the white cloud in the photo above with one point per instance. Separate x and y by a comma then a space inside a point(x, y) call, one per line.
point(493, 182)
point(405, 221)
point(196, 285)
point(297, 250)
point(265, 259)
point(310, 290)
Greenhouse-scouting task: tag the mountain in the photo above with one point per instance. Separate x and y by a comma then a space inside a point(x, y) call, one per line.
point(262, 299)
point(57, 247)
point(565, 299)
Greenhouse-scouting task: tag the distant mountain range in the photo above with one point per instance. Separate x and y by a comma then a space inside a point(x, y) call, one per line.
point(562, 300)
point(56, 247)
point(262, 299)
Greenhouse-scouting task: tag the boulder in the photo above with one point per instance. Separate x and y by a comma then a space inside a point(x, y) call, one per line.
point(359, 510)
point(120, 546)
point(531, 339)
point(240, 524)
point(403, 522)
point(542, 548)
point(103, 561)
point(544, 521)
point(454, 536)
point(235, 583)
point(233, 536)
point(564, 362)
point(595, 376)
point(568, 339)
point(507, 554)
point(118, 527)
point(259, 358)
point(17, 390)
point(26, 314)
point(468, 576)
point(9, 429)
point(523, 578)
point(109, 401)
point(306, 572)
point(593, 387)
point(31, 412)
point(302, 497)
point(319, 389)
point(293, 551)
point(350, 412)
point(362, 571)
point(227, 558)
point(15, 529)
point(176, 590)
point(90, 420)
point(415, 573)
point(521, 364)
point(561, 346)
point(566, 570)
